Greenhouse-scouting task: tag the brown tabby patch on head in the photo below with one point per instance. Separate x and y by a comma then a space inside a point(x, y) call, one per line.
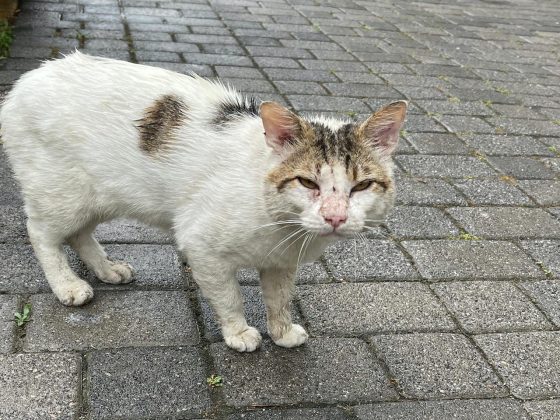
point(318, 144)
point(160, 121)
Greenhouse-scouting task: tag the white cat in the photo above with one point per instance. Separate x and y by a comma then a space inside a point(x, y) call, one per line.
point(91, 139)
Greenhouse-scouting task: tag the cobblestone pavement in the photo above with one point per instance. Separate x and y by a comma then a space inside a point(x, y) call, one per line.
point(452, 310)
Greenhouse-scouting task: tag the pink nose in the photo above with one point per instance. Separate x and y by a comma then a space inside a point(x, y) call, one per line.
point(335, 221)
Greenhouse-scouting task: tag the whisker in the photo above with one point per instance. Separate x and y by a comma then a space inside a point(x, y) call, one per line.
point(291, 235)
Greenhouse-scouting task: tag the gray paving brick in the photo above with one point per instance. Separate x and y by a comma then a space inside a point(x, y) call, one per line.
point(506, 145)
point(547, 295)
point(255, 313)
point(507, 222)
point(524, 126)
point(363, 260)
point(8, 306)
point(522, 167)
point(458, 124)
point(39, 386)
point(130, 232)
point(543, 410)
point(308, 88)
point(356, 309)
point(327, 103)
point(470, 260)
point(529, 362)
point(277, 62)
point(438, 365)
point(426, 191)
point(21, 271)
point(291, 414)
point(437, 143)
point(300, 75)
point(455, 108)
point(492, 192)
point(12, 224)
point(148, 382)
point(452, 166)
point(362, 90)
point(497, 409)
point(546, 193)
point(9, 189)
point(112, 320)
point(278, 52)
point(484, 306)
point(161, 46)
point(420, 222)
point(322, 371)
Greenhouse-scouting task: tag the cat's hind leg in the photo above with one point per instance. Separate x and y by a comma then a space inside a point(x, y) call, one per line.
point(47, 242)
point(94, 256)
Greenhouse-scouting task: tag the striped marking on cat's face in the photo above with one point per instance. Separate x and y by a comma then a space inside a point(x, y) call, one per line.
point(160, 121)
point(335, 176)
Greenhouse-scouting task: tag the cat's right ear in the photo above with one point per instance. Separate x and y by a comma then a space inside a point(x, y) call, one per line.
point(281, 126)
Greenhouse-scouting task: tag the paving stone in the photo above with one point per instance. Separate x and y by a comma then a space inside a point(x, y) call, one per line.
point(12, 224)
point(467, 108)
point(155, 265)
point(112, 320)
point(506, 145)
point(8, 306)
point(326, 103)
point(529, 362)
point(438, 366)
point(331, 413)
point(543, 410)
point(420, 222)
point(525, 126)
point(325, 370)
point(444, 166)
point(364, 260)
point(492, 192)
point(470, 260)
point(496, 409)
point(484, 306)
point(546, 193)
point(9, 189)
point(38, 386)
point(300, 75)
point(547, 295)
point(436, 143)
point(507, 222)
point(522, 167)
point(356, 309)
point(130, 232)
point(148, 382)
point(21, 273)
point(546, 253)
point(300, 87)
point(458, 124)
point(255, 313)
point(362, 90)
point(426, 191)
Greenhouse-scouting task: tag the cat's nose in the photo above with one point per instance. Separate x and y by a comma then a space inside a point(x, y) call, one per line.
point(335, 221)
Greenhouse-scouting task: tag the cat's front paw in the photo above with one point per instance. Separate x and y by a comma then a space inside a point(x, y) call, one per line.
point(74, 293)
point(248, 340)
point(118, 272)
point(294, 337)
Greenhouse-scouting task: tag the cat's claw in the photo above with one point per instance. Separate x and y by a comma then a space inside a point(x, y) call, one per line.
point(246, 341)
point(294, 337)
point(75, 293)
point(118, 272)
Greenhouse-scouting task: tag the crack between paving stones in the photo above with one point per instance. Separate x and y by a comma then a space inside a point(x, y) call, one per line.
point(127, 34)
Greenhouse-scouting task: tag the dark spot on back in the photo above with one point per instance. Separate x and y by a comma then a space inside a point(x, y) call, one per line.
point(235, 108)
point(160, 121)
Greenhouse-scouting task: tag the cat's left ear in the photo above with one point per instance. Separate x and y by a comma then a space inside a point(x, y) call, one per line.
point(381, 130)
point(281, 126)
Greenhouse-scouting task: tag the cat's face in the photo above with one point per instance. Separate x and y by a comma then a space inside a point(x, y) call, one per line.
point(333, 178)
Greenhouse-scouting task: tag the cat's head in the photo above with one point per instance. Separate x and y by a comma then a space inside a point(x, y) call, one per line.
point(332, 177)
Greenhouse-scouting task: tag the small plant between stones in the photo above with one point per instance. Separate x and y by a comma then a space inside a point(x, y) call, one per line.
point(465, 236)
point(6, 39)
point(23, 317)
point(215, 381)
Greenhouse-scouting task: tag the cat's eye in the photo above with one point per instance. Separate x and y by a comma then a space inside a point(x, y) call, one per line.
point(360, 186)
point(307, 183)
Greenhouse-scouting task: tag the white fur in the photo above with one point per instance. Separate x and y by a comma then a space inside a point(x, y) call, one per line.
point(69, 131)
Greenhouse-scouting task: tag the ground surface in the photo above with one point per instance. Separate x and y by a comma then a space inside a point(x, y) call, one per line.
point(451, 311)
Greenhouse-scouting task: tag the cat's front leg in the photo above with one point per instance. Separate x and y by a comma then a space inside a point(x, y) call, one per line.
point(219, 286)
point(278, 289)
